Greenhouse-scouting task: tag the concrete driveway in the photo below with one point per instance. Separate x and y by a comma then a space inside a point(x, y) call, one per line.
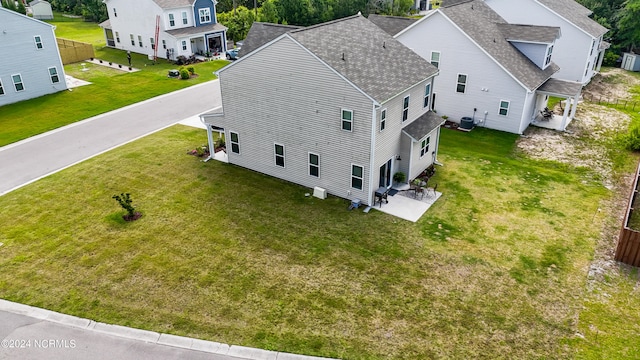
point(29, 160)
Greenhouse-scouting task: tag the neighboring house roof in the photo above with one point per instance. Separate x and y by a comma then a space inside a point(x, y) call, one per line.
point(423, 125)
point(195, 30)
point(576, 14)
point(170, 4)
point(483, 26)
point(530, 33)
point(36, 2)
point(391, 24)
point(262, 33)
point(366, 55)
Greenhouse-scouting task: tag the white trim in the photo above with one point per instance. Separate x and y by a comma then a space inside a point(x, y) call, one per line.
point(372, 151)
point(426, 96)
point(2, 89)
point(200, 15)
point(439, 58)
point(466, 80)
point(14, 82)
point(382, 121)
point(507, 108)
point(234, 142)
point(408, 97)
point(171, 18)
point(428, 140)
point(35, 37)
point(310, 164)
point(275, 156)
point(343, 120)
point(185, 18)
point(51, 75)
point(351, 176)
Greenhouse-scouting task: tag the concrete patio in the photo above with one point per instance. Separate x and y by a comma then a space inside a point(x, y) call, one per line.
point(406, 206)
point(555, 123)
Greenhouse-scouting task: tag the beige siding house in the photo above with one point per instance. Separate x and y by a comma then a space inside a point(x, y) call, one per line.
point(339, 106)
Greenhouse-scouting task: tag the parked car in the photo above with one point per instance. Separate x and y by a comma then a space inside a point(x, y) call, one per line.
point(232, 54)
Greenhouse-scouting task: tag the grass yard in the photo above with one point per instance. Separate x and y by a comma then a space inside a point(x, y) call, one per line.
point(495, 269)
point(79, 30)
point(110, 89)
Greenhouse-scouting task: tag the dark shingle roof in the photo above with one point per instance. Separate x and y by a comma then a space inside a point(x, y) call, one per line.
point(391, 24)
point(482, 25)
point(366, 55)
point(170, 4)
point(261, 33)
point(532, 33)
point(423, 125)
point(561, 87)
point(576, 14)
point(195, 30)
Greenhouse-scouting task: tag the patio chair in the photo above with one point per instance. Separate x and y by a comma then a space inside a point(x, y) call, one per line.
point(435, 187)
point(419, 191)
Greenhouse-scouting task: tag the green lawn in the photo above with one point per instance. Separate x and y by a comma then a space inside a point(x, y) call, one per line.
point(110, 89)
point(495, 269)
point(78, 30)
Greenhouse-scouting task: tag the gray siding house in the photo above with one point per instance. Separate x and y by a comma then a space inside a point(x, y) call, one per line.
point(340, 105)
point(31, 63)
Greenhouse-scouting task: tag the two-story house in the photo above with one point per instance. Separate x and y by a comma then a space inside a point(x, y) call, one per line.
point(30, 63)
point(580, 50)
point(340, 105)
point(491, 71)
point(175, 27)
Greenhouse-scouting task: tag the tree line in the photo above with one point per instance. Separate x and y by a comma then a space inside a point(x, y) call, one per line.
point(91, 10)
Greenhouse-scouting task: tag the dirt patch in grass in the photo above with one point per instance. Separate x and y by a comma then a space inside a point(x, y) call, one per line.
point(613, 84)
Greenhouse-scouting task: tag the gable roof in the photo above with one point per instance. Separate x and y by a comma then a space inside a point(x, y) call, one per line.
point(483, 25)
point(36, 2)
point(367, 56)
point(423, 125)
point(13, 13)
point(530, 33)
point(261, 33)
point(170, 4)
point(391, 24)
point(576, 14)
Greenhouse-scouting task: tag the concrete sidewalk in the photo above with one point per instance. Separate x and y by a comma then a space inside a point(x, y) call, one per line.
point(28, 332)
point(31, 159)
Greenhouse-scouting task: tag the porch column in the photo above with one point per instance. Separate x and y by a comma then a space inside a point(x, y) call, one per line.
point(565, 115)
point(600, 58)
point(575, 106)
point(210, 141)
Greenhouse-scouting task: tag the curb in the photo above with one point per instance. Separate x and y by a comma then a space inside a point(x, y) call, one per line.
point(151, 336)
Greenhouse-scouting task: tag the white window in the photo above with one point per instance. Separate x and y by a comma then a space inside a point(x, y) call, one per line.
point(235, 142)
point(53, 73)
point(405, 108)
point(118, 37)
point(435, 58)
point(357, 174)
point(461, 86)
point(383, 119)
point(38, 41)
point(172, 21)
point(152, 41)
point(1, 88)
point(586, 71)
point(133, 41)
point(115, 13)
point(184, 45)
point(427, 95)
point(17, 82)
point(547, 60)
point(347, 120)
point(205, 15)
point(504, 108)
point(140, 40)
point(278, 152)
point(164, 44)
point(184, 18)
point(424, 146)
point(314, 165)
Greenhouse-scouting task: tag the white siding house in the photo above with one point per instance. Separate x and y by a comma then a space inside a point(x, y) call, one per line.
point(185, 27)
point(41, 10)
point(490, 70)
point(338, 106)
point(580, 50)
point(29, 57)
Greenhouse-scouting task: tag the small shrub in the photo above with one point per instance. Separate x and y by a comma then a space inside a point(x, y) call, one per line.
point(191, 70)
point(184, 74)
point(399, 177)
point(632, 139)
point(125, 201)
point(202, 150)
point(219, 143)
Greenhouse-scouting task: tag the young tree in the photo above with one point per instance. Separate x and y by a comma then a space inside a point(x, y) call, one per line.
point(629, 24)
point(268, 12)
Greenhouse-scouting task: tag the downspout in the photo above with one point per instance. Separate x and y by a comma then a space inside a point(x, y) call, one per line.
point(372, 154)
point(435, 155)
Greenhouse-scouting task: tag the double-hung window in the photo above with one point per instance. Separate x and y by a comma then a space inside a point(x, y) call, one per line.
point(17, 82)
point(115, 12)
point(172, 20)
point(164, 44)
point(184, 18)
point(278, 152)
point(504, 108)
point(357, 174)
point(461, 85)
point(53, 73)
point(435, 58)
point(152, 41)
point(314, 165)
point(38, 41)
point(140, 40)
point(347, 120)
point(405, 108)
point(383, 119)
point(427, 95)
point(1, 88)
point(118, 37)
point(235, 142)
point(133, 41)
point(424, 146)
point(205, 15)
point(547, 60)
point(184, 45)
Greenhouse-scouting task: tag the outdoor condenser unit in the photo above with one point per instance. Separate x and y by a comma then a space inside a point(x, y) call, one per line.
point(319, 192)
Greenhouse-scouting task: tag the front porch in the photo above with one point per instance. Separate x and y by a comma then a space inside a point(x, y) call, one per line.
point(555, 122)
point(405, 205)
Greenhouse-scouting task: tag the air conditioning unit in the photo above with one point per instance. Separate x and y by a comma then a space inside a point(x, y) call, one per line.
point(319, 192)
